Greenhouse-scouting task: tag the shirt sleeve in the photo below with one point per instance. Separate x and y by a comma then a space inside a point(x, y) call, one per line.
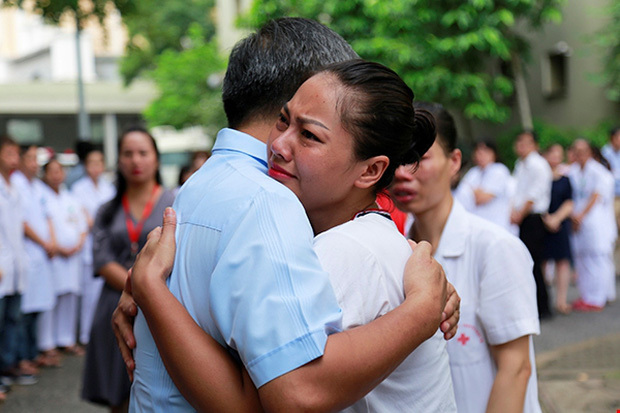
point(270, 298)
point(496, 182)
point(102, 243)
point(356, 276)
point(507, 291)
point(539, 182)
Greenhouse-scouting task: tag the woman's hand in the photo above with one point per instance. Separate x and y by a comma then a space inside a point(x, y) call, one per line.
point(551, 223)
point(154, 262)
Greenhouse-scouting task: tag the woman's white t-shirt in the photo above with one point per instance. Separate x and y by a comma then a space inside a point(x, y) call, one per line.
point(366, 258)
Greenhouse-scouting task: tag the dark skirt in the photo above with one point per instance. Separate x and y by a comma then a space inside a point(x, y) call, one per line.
point(105, 379)
point(557, 244)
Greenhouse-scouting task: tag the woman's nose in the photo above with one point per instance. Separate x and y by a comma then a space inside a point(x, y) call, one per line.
point(404, 173)
point(281, 147)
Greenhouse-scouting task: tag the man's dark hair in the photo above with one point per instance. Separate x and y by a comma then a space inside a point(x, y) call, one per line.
point(266, 68)
point(6, 140)
point(530, 132)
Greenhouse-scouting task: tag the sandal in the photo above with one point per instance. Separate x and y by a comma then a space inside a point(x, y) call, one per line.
point(75, 350)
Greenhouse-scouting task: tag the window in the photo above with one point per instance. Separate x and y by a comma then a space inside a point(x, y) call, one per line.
point(25, 131)
point(555, 71)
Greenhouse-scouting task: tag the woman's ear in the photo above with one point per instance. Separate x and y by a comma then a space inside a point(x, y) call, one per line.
point(456, 158)
point(373, 169)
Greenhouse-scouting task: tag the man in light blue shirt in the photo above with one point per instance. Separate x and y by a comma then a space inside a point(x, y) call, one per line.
point(245, 269)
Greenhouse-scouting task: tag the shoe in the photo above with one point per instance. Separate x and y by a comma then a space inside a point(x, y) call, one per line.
point(19, 380)
point(28, 367)
point(584, 307)
point(4, 388)
point(26, 380)
point(49, 359)
point(7, 380)
point(75, 350)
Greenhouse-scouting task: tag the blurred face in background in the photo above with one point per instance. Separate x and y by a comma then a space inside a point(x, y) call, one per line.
point(94, 165)
point(615, 140)
point(582, 152)
point(29, 165)
point(423, 189)
point(554, 155)
point(137, 159)
point(54, 175)
point(524, 145)
point(483, 155)
point(9, 158)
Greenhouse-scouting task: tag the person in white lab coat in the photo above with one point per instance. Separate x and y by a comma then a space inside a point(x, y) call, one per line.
point(12, 265)
point(592, 238)
point(492, 358)
point(39, 293)
point(70, 230)
point(91, 191)
point(486, 188)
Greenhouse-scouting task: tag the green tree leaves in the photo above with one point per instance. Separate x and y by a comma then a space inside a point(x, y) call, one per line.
point(447, 50)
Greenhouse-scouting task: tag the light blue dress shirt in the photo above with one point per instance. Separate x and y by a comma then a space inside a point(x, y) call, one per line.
point(246, 272)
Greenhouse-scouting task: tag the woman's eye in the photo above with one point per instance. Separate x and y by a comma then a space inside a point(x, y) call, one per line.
point(309, 135)
point(282, 123)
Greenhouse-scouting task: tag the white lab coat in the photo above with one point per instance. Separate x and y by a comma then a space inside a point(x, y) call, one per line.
point(91, 197)
point(492, 271)
point(13, 261)
point(69, 223)
point(39, 294)
point(593, 243)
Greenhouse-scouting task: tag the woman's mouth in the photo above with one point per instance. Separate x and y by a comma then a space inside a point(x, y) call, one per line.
point(279, 173)
point(403, 196)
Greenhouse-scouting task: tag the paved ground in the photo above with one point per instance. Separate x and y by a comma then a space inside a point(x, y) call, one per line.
point(57, 392)
point(578, 362)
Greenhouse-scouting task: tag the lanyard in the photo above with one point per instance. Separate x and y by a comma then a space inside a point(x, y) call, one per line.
point(135, 230)
point(379, 211)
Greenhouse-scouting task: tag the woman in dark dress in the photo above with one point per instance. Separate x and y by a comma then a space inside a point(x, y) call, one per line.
point(557, 224)
point(120, 230)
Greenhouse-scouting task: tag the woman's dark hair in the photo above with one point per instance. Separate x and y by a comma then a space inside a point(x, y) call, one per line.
point(444, 122)
point(185, 169)
point(6, 140)
point(47, 164)
point(110, 208)
point(488, 143)
point(377, 110)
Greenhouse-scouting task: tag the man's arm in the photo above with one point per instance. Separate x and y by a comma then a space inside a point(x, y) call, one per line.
point(353, 363)
point(357, 360)
point(578, 217)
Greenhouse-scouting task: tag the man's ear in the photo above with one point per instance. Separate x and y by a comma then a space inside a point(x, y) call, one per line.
point(373, 170)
